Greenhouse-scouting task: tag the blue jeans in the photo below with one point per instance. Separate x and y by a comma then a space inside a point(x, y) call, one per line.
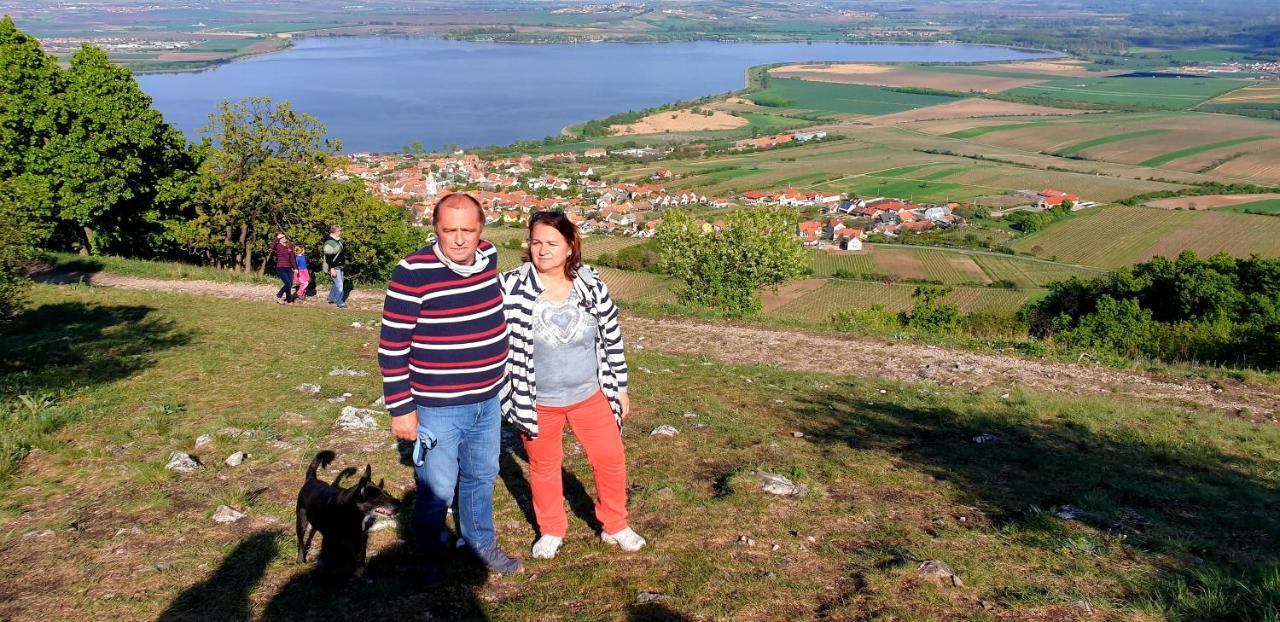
point(335, 290)
point(286, 277)
point(466, 459)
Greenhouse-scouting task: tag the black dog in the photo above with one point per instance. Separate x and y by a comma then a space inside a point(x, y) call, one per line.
point(341, 515)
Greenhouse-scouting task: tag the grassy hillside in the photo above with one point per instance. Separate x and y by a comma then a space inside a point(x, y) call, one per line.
point(1173, 512)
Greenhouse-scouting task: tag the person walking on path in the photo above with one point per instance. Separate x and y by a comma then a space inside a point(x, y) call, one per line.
point(335, 262)
point(443, 355)
point(301, 274)
point(283, 252)
point(564, 332)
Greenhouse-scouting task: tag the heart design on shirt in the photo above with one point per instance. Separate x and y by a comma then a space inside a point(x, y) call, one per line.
point(563, 323)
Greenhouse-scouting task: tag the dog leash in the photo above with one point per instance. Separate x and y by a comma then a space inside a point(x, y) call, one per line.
point(426, 442)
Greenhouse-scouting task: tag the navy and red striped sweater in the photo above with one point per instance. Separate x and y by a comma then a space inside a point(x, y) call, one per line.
point(444, 335)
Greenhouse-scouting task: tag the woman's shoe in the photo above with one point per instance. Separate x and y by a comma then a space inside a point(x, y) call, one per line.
point(626, 539)
point(546, 547)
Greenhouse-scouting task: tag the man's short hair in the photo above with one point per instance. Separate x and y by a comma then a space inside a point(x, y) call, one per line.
point(454, 197)
point(334, 228)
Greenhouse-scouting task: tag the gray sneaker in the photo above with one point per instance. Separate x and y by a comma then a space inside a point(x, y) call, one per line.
point(499, 562)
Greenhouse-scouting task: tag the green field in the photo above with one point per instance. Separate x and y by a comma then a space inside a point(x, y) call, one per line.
point(975, 132)
point(817, 306)
point(1114, 138)
point(1120, 236)
point(951, 267)
point(1171, 58)
point(1029, 274)
point(1270, 206)
point(1190, 151)
point(846, 98)
point(1165, 93)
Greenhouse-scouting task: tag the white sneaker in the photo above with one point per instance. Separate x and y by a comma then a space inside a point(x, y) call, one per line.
point(626, 539)
point(546, 547)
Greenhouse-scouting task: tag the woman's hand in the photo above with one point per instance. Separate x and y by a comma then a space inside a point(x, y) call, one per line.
point(625, 400)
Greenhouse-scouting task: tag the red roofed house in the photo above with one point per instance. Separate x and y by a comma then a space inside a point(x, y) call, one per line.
point(809, 231)
point(849, 239)
point(1050, 198)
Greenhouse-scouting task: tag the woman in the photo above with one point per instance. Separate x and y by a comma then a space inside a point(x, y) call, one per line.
point(564, 331)
point(283, 252)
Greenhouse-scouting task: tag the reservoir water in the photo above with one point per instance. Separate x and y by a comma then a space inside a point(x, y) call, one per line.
point(381, 93)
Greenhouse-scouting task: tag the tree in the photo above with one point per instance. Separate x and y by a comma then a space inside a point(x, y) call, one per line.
point(29, 80)
point(264, 165)
point(113, 157)
point(24, 225)
point(723, 270)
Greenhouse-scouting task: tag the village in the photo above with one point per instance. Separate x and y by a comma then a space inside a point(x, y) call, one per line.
point(510, 188)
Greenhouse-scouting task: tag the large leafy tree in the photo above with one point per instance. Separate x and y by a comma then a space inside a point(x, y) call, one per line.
point(268, 171)
point(115, 156)
point(29, 81)
point(722, 270)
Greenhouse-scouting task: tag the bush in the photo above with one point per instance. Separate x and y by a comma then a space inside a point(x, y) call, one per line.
point(875, 317)
point(930, 314)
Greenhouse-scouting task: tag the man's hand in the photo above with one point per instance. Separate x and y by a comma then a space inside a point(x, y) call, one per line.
point(333, 273)
point(625, 400)
point(405, 427)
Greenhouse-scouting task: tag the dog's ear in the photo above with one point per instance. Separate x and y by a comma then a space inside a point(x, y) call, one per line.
point(382, 483)
point(349, 495)
point(368, 474)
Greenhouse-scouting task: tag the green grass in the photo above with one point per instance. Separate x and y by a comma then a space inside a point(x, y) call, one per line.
point(847, 98)
point(1164, 93)
point(1104, 140)
point(234, 46)
point(1029, 274)
point(72, 264)
point(1269, 206)
point(975, 132)
point(1190, 151)
point(893, 476)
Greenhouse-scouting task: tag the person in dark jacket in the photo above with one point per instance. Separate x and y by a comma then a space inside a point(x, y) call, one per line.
point(283, 252)
point(335, 262)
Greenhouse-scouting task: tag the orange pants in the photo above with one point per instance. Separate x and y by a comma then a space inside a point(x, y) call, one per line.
point(592, 422)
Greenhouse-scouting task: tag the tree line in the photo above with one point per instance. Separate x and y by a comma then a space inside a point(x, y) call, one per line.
point(87, 165)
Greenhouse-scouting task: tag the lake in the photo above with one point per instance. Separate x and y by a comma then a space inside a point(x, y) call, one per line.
point(382, 93)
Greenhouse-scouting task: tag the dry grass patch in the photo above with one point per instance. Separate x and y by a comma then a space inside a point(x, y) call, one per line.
point(680, 121)
point(1212, 201)
point(967, 109)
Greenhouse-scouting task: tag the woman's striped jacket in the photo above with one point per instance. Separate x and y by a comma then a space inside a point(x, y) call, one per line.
point(521, 288)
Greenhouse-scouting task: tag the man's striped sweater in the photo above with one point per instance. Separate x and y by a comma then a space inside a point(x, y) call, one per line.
point(444, 336)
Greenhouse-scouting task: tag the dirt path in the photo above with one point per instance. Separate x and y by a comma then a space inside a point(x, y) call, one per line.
point(811, 351)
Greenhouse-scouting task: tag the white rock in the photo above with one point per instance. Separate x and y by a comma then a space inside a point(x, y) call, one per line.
point(985, 438)
point(379, 402)
point(37, 534)
point(308, 388)
point(336, 400)
point(182, 463)
point(342, 371)
point(776, 484)
point(236, 458)
point(203, 439)
point(353, 418)
point(357, 325)
point(664, 430)
point(226, 515)
point(938, 572)
point(382, 523)
point(797, 434)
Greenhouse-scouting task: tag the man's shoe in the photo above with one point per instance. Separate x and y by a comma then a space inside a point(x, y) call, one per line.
point(626, 539)
point(546, 547)
point(499, 562)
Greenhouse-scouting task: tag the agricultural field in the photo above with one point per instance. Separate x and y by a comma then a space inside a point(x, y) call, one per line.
point(971, 108)
point(1026, 274)
point(1228, 146)
point(594, 246)
point(640, 287)
point(1121, 91)
point(898, 76)
point(1120, 236)
point(818, 305)
point(842, 98)
point(1212, 201)
point(1269, 206)
point(1150, 61)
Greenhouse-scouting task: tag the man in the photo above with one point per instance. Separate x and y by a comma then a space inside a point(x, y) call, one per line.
point(443, 353)
point(335, 260)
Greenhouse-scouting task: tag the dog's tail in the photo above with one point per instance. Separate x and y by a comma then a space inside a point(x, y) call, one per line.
point(322, 459)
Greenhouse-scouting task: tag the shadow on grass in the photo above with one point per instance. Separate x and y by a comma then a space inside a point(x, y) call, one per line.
point(225, 594)
point(80, 270)
point(579, 500)
point(55, 347)
point(1216, 513)
point(390, 591)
